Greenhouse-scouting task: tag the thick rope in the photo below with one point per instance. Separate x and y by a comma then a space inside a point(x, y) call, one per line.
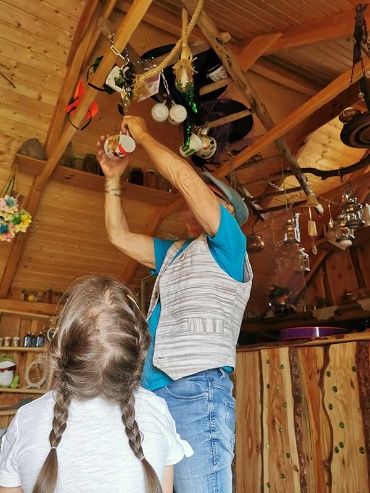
point(140, 87)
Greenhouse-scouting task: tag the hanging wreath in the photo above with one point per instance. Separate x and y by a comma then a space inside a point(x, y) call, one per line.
point(12, 219)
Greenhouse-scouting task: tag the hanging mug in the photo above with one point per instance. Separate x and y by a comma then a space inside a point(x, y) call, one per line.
point(160, 112)
point(177, 114)
point(194, 145)
point(209, 147)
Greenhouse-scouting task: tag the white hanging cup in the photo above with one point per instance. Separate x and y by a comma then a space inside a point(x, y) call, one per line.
point(177, 114)
point(160, 112)
point(195, 144)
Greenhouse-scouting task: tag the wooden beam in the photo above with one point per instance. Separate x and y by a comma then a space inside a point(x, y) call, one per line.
point(266, 194)
point(228, 119)
point(282, 207)
point(82, 26)
point(163, 19)
point(106, 11)
point(328, 27)
point(127, 27)
point(255, 48)
point(285, 77)
point(214, 86)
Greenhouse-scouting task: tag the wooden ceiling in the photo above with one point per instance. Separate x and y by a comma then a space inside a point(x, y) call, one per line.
point(291, 62)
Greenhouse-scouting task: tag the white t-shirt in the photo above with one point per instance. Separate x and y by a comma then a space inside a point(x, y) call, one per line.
point(94, 454)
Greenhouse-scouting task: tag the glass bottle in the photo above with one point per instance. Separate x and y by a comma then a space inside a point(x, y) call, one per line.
point(27, 340)
point(137, 176)
point(40, 340)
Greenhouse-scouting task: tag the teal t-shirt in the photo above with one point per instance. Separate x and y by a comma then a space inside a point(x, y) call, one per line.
point(228, 248)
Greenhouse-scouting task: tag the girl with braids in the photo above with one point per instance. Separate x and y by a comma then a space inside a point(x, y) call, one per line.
point(97, 430)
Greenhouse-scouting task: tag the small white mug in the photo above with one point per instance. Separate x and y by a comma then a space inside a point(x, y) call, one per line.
point(177, 114)
point(16, 341)
point(195, 144)
point(7, 341)
point(160, 112)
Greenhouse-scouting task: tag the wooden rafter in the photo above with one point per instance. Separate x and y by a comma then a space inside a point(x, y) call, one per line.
point(329, 27)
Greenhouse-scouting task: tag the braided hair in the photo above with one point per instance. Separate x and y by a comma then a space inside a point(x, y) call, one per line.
point(101, 321)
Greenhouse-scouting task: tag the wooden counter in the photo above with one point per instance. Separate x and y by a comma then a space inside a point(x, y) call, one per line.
point(303, 416)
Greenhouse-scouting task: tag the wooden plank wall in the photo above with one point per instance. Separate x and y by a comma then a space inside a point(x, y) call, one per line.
point(303, 419)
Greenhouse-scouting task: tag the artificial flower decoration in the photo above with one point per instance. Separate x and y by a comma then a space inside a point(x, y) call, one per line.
point(7, 231)
point(12, 220)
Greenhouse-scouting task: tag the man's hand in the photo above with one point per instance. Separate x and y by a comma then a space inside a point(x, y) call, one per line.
point(136, 126)
point(113, 168)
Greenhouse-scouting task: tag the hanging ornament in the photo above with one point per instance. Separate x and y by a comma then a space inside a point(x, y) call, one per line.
point(255, 243)
point(344, 235)
point(292, 234)
point(352, 210)
point(329, 229)
point(120, 79)
point(301, 261)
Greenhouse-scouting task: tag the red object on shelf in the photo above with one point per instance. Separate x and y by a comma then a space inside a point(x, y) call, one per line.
point(310, 332)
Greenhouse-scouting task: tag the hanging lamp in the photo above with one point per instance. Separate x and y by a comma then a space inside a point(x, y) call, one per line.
point(352, 211)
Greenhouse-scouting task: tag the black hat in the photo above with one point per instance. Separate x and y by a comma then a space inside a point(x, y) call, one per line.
point(223, 134)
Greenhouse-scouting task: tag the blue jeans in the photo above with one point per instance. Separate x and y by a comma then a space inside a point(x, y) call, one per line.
point(203, 408)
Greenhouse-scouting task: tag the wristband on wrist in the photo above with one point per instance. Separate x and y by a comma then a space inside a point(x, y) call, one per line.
point(115, 194)
point(109, 187)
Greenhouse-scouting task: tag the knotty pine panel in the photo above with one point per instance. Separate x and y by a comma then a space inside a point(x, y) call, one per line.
point(313, 433)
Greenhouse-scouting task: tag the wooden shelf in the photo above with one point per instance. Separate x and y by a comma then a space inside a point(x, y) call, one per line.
point(28, 309)
point(11, 412)
point(350, 311)
point(89, 181)
point(21, 349)
point(22, 390)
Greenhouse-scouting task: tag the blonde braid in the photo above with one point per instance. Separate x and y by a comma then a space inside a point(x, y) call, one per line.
point(135, 441)
point(47, 478)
